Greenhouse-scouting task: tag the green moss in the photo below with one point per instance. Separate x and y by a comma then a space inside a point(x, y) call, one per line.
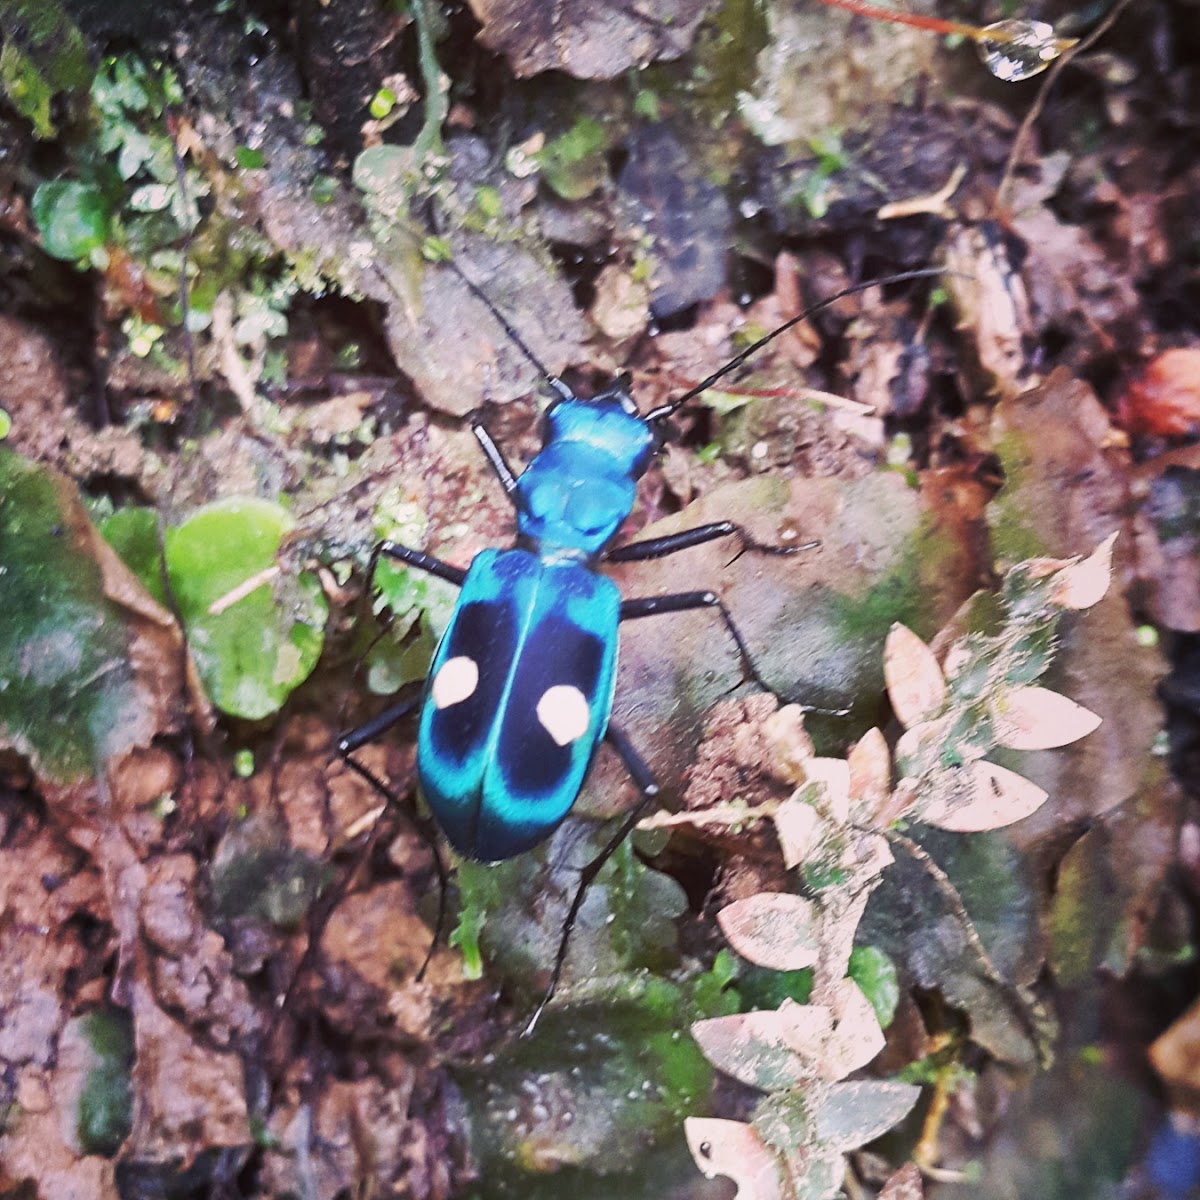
point(106, 1101)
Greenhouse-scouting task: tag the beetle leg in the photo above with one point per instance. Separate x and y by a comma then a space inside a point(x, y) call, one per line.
point(672, 543)
point(649, 606)
point(639, 772)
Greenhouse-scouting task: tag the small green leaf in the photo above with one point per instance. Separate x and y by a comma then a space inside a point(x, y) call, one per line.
point(646, 105)
point(382, 103)
point(436, 249)
point(44, 54)
point(574, 164)
point(488, 201)
point(249, 159)
point(27, 90)
point(323, 189)
point(875, 974)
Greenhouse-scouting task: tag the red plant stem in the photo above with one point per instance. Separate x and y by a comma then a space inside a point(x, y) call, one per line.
point(933, 24)
point(992, 34)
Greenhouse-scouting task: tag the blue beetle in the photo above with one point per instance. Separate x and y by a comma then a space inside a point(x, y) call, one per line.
point(520, 690)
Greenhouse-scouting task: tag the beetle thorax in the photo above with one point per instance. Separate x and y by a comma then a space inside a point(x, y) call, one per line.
point(581, 485)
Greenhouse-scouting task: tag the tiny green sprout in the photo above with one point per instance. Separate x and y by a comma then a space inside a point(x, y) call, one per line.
point(261, 1135)
point(436, 249)
point(142, 335)
point(164, 806)
point(487, 200)
point(323, 189)
point(465, 938)
point(646, 105)
point(709, 454)
point(1147, 636)
point(249, 159)
point(5, 424)
point(830, 152)
point(243, 764)
point(382, 103)
point(900, 450)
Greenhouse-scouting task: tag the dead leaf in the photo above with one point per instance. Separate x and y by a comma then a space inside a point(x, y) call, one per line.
point(837, 1039)
point(979, 796)
point(1176, 1057)
point(906, 1184)
point(734, 1149)
point(1165, 400)
point(773, 929)
point(860, 1111)
point(870, 764)
point(833, 775)
point(915, 683)
point(1083, 584)
point(800, 830)
point(993, 307)
point(1034, 718)
point(789, 746)
point(758, 1048)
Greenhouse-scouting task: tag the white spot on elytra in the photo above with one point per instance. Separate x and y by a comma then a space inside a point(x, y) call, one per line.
point(455, 681)
point(564, 713)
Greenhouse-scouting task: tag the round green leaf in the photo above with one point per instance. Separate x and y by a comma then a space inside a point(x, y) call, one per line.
point(73, 218)
point(255, 631)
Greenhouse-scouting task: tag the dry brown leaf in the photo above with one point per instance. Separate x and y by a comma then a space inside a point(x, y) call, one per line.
point(799, 828)
point(773, 929)
point(1165, 400)
point(1034, 718)
point(979, 796)
point(906, 1184)
point(760, 1048)
point(840, 1038)
point(833, 774)
point(1083, 584)
point(789, 746)
point(870, 764)
point(734, 1149)
point(915, 683)
point(1176, 1055)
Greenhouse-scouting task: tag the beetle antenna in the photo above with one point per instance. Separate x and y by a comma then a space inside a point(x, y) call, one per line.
point(553, 380)
point(665, 410)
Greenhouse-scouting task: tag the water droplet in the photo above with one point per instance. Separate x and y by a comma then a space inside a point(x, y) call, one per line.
point(1017, 49)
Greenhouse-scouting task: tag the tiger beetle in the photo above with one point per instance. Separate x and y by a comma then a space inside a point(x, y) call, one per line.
point(520, 690)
